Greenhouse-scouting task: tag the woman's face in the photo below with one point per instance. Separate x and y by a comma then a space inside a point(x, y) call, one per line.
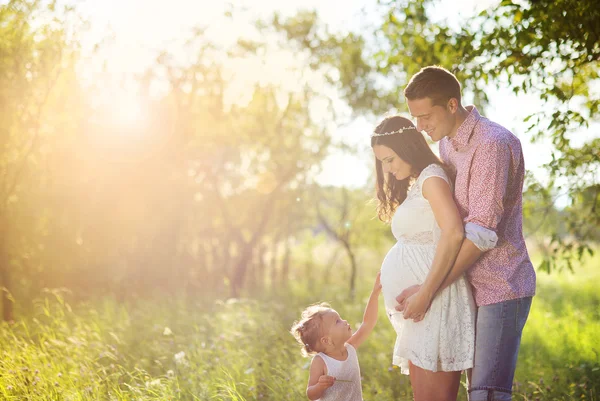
point(392, 163)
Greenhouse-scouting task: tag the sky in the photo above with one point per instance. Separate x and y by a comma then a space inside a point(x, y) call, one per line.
point(144, 27)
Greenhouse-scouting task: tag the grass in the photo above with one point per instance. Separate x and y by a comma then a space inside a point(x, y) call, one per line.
point(182, 349)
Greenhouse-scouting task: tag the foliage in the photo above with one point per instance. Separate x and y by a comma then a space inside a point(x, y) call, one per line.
point(40, 106)
point(198, 193)
point(550, 49)
point(349, 218)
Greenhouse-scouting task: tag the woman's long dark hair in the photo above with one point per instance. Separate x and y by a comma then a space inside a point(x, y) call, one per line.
point(413, 149)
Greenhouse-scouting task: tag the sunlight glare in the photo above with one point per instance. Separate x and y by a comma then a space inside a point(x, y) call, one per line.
point(127, 110)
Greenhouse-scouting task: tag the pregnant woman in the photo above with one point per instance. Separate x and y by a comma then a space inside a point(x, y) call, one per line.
point(435, 336)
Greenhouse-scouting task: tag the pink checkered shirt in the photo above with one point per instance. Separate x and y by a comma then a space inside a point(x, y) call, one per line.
point(488, 191)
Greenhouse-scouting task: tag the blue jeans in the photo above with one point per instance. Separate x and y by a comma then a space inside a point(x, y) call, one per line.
point(497, 340)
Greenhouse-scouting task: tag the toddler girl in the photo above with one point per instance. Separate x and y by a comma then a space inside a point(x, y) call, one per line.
point(334, 370)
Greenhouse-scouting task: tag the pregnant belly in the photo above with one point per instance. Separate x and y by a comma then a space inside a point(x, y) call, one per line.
point(403, 266)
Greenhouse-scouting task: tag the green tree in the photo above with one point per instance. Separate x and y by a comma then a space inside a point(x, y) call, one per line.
point(547, 48)
point(38, 105)
point(189, 199)
point(349, 218)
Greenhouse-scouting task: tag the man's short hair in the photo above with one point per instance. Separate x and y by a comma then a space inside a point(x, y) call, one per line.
point(434, 82)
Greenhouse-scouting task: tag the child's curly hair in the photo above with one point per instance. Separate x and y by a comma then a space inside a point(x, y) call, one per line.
point(309, 329)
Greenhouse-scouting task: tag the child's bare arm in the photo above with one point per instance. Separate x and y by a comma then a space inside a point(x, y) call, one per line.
point(318, 381)
point(370, 316)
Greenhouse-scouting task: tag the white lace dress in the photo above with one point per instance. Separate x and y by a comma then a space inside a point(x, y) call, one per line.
point(445, 339)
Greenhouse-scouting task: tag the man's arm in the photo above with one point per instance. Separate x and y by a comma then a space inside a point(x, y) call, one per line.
point(437, 191)
point(468, 254)
point(487, 188)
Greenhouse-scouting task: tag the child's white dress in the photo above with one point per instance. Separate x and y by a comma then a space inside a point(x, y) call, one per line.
point(445, 339)
point(349, 371)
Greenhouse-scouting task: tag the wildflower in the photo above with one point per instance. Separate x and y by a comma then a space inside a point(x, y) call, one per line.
point(153, 383)
point(167, 332)
point(180, 358)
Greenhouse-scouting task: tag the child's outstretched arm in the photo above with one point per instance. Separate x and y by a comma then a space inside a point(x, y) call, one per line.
point(318, 381)
point(370, 316)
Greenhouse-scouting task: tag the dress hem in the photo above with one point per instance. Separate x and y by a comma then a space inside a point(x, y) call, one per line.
point(402, 363)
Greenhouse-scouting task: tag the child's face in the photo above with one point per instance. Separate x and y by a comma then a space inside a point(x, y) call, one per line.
point(337, 329)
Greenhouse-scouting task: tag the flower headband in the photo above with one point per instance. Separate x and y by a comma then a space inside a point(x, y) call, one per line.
point(398, 131)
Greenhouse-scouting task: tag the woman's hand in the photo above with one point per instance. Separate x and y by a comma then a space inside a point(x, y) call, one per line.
point(404, 295)
point(416, 306)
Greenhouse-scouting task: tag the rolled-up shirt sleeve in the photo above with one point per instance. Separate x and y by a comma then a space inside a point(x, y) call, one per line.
point(487, 188)
point(481, 237)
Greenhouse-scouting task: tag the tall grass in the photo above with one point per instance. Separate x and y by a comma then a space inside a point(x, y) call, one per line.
point(201, 349)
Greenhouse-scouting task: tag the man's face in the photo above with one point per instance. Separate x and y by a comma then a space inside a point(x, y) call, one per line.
point(437, 121)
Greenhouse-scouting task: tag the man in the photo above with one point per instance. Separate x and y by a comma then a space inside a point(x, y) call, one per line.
point(489, 166)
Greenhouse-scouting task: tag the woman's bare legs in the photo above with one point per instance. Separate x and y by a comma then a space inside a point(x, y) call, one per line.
point(433, 386)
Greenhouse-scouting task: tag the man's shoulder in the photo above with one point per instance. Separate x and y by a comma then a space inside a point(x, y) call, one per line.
point(491, 133)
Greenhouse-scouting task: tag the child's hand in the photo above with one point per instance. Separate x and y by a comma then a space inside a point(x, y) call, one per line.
point(377, 286)
point(326, 381)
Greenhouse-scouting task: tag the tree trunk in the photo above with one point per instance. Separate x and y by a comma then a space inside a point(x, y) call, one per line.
point(5, 282)
point(239, 272)
point(259, 263)
point(273, 260)
point(352, 269)
point(285, 263)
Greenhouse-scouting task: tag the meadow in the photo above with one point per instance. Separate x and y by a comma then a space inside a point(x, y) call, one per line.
point(199, 348)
